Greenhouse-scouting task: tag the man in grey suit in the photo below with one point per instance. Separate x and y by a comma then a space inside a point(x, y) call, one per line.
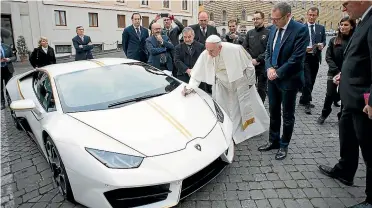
point(7, 69)
point(356, 118)
point(82, 44)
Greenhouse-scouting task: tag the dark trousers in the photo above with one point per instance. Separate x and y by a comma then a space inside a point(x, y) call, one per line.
point(311, 70)
point(277, 98)
point(332, 96)
point(261, 80)
point(206, 87)
point(355, 131)
point(5, 77)
point(185, 77)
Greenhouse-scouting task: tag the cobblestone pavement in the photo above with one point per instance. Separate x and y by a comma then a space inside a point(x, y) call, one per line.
point(254, 179)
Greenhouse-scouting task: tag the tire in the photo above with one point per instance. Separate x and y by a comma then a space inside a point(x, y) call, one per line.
point(12, 113)
point(59, 173)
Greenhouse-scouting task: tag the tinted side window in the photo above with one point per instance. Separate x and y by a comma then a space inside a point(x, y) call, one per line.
point(43, 91)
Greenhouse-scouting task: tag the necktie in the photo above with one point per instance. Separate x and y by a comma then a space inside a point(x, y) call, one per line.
point(312, 35)
point(274, 58)
point(138, 33)
point(190, 49)
point(204, 32)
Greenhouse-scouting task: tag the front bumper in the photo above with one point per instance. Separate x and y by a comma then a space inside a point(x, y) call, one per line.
point(160, 181)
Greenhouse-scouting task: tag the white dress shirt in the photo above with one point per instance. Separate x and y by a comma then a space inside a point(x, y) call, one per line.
point(276, 34)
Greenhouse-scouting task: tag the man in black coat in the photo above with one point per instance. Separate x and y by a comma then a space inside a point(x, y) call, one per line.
point(202, 31)
point(186, 55)
point(356, 119)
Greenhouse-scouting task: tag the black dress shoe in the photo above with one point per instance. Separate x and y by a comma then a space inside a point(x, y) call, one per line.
point(362, 205)
point(328, 171)
point(269, 146)
point(307, 109)
point(282, 153)
point(321, 120)
point(336, 104)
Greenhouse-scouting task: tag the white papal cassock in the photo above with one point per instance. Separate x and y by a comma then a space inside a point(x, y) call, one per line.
point(232, 76)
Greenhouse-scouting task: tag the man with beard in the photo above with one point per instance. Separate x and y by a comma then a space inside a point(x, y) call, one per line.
point(255, 43)
point(159, 48)
point(233, 36)
point(186, 54)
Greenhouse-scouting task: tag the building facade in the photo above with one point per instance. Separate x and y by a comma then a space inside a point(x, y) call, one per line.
point(103, 21)
point(330, 12)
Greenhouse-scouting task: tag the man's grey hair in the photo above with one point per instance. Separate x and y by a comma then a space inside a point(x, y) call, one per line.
point(188, 29)
point(283, 7)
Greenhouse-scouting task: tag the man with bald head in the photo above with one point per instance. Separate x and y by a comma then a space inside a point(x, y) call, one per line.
point(159, 48)
point(202, 31)
point(233, 86)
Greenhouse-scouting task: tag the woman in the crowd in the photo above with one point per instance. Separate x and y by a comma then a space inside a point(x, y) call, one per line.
point(334, 58)
point(42, 55)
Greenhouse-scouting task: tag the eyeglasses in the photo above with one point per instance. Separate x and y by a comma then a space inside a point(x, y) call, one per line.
point(277, 19)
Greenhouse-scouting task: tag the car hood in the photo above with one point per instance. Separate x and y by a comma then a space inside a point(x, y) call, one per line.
point(155, 126)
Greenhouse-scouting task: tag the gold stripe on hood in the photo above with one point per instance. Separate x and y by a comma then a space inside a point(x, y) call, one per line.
point(170, 119)
point(97, 62)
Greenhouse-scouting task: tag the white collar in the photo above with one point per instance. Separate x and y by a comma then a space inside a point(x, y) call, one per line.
point(366, 12)
point(309, 24)
point(285, 26)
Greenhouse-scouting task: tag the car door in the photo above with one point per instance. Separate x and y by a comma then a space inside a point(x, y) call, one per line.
point(44, 102)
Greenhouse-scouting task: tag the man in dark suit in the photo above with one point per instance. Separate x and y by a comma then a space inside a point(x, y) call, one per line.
point(202, 31)
point(187, 53)
point(82, 44)
point(284, 60)
point(160, 49)
point(356, 118)
point(313, 56)
point(7, 69)
point(134, 40)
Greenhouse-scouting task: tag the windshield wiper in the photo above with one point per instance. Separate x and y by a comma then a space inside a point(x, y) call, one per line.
point(135, 99)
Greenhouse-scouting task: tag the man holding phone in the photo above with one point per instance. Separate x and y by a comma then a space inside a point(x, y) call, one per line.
point(168, 30)
point(313, 56)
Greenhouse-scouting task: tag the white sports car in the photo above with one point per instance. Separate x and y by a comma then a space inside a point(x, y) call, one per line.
point(119, 133)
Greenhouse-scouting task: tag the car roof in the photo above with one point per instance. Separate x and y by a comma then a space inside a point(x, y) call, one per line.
point(64, 68)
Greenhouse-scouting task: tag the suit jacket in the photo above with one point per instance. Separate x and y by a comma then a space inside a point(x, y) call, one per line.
point(155, 49)
point(39, 58)
point(356, 71)
point(320, 37)
point(183, 59)
point(199, 35)
point(8, 53)
point(290, 68)
point(133, 46)
point(174, 32)
point(85, 52)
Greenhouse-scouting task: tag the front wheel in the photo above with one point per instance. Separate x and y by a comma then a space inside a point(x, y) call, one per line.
point(59, 173)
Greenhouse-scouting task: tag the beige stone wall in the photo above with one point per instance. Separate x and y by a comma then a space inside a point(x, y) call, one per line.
point(330, 11)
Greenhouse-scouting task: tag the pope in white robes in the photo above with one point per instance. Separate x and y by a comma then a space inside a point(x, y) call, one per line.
point(228, 68)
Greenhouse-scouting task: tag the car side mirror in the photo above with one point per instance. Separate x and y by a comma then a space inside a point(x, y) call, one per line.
point(22, 105)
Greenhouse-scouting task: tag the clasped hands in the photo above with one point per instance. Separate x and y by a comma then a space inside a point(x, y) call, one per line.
point(271, 74)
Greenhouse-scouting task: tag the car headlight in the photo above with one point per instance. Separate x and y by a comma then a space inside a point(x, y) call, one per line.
point(115, 160)
point(219, 114)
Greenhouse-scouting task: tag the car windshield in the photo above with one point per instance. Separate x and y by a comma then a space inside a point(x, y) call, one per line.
point(100, 88)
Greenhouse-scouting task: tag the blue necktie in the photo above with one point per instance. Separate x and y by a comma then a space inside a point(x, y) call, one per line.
point(138, 33)
point(274, 58)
